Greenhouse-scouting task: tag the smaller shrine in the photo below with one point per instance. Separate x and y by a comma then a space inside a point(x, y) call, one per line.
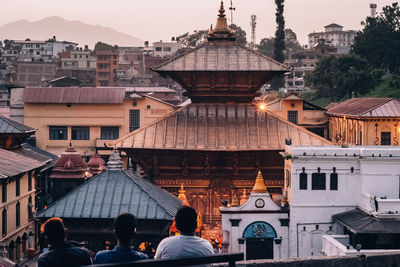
point(89, 211)
point(69, 171)
point(257, 225)
point(96, 164)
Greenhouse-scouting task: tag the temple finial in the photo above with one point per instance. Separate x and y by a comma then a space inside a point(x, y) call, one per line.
point(222, 10)
point(259, 186)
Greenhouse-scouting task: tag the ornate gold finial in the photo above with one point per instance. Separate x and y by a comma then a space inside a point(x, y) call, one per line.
point(235, 201)
point(182, 196)
point(243, 197)
point(221, 10)
point(259, 186)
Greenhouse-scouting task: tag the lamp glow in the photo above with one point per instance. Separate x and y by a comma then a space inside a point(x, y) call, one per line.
point(261, 107)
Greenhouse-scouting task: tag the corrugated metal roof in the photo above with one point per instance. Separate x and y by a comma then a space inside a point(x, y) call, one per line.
point(367, 107)
point(155, 89)
point(12, 164)
point(219, 127)
point(114, 192)
point(83, 95)
point(37, 154)
point(360, 222)
point(208, 57)
point(9, 126)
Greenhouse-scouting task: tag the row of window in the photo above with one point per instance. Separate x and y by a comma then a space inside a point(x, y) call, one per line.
point(17, 216)
point(17, 188)
point(82, 132)
point(318, 181)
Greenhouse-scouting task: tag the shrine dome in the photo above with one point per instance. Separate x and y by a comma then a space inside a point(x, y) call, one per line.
point(69, 165)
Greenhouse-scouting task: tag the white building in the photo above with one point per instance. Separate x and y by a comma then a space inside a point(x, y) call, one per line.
point(165, 49)
point(334, 35)
point(349, 193)
point(79, 59)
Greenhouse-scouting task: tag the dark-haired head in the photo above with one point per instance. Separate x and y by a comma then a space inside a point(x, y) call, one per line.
point(54, 230)
point(125, 228)
point(186, 220)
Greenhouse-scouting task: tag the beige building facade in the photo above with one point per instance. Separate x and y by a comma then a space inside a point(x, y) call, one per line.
point(302, 113)
point(89, 121)
point(365, 121)
point(17, 205)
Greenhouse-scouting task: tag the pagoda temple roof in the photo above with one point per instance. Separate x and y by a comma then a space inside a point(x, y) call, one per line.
point(210, 57)
point(219, 127)
point(114, 192)
point(9, 126)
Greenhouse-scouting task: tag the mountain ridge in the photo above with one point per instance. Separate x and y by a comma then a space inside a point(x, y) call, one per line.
point(66, 30)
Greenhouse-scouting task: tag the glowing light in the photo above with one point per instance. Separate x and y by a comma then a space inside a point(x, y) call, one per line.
point(261, 106)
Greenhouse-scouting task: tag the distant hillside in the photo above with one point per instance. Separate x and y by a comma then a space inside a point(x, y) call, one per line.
point(66, 30)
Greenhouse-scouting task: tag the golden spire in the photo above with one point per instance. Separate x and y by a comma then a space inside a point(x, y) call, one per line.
point(221, 31)
point(259, 186)
point(182, 196)
point(243, 197)
point(235, 201)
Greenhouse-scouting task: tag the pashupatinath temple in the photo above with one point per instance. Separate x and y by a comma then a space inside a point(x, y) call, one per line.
point(216, 145)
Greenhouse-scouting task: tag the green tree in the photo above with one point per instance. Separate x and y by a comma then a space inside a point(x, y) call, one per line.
point(266, 46)
point(279, 44)
point(341, 77)
point(100, 46)
point(379, 41)
point(196, 38)
point(292, 46)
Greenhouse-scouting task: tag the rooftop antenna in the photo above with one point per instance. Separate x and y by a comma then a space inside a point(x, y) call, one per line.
point(372, 6)
point(253, 30)
point(231, 8)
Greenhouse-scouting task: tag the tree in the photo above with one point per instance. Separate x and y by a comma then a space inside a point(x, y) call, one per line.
point(341, 77)
point(379, 41)
point(100, 46)
point(292, 46)
point(266, 46)
point(191, 40)
point(279, 44)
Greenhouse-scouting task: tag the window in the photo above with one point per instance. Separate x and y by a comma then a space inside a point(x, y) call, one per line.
point(80, 133)
point(109, 132)
point(158, 49)
point(58, 133)
point(134, 119)
point(4, 192)
point(30, 207)
point(29, 181)
point(114, 62)
point(318, 181)
point(303, 181)
point(17, 187)
point(167, 49)
point(385, 138)
point(114, 57)
point(4, 225)
point(292, 116)
point(17, 214)
point(334, 181)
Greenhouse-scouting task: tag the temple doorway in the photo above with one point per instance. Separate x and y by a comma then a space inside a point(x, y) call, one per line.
point(259, 238)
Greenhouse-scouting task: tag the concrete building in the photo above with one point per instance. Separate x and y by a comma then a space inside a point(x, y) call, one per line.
point(88, 116)
point(335, 35)
point(107, 64)
point(34, 73)
point(165, 49)
point(365, 121)
point(78, 59)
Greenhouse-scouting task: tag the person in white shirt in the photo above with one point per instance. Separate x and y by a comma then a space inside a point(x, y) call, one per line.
point(187, 244)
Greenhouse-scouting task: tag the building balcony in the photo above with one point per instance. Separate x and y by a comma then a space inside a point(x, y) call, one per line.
point(339, 245)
